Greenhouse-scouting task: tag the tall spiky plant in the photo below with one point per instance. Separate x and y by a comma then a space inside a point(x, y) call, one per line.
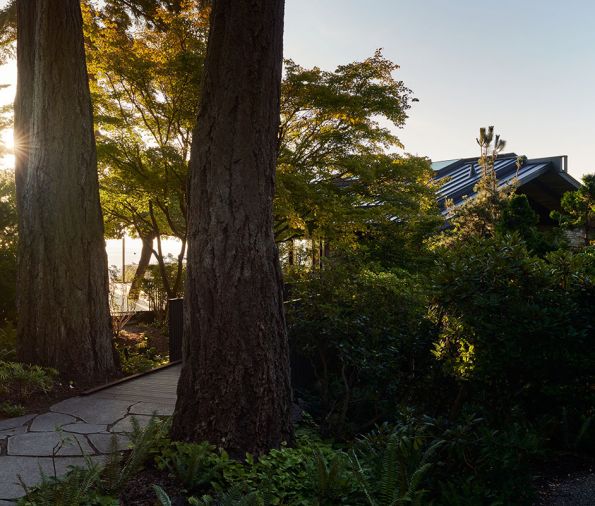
point(479, 215)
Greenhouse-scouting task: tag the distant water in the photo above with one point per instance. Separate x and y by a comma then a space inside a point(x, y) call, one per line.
point(133, 249)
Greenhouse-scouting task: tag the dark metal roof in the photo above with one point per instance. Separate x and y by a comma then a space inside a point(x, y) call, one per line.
point(459, 177)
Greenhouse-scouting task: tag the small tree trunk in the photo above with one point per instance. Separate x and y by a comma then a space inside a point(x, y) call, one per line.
point(234, 388)
point(62, 278)
point(141, 269)
point(180, 269)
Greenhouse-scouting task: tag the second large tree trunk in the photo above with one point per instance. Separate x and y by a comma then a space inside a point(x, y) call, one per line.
point(234, 390)
point(62, 279)
point(141, 269)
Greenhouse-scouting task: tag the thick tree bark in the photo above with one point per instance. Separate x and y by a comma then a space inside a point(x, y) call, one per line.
point(63, 282)
point(234, 389)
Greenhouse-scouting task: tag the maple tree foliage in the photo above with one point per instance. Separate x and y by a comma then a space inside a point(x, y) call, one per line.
point(145, 81)
point(339, 174)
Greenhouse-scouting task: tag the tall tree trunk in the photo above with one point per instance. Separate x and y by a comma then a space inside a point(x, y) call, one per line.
point(234, 390)
point(63, 282)
point(141, 269)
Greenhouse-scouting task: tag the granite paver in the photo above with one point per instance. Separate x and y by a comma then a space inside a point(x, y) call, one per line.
point(47, 444)
point(35, 444)
point(86, 408)
point(49, 421)
point(125, 424)
point(12, 432)
point(104, 442)
point(84, 428)
point(30, 469)
point(11, 423)
point(146, 408)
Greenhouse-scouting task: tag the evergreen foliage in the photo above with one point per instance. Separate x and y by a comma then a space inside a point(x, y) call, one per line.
point(578, 209)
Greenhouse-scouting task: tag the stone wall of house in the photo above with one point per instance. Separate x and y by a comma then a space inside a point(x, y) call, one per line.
point(576, 237)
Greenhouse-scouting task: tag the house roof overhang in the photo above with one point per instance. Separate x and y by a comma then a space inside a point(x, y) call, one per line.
point(543, 180)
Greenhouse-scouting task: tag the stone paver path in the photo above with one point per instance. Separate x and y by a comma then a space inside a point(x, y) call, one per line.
point(51, 442)
point(575, 490)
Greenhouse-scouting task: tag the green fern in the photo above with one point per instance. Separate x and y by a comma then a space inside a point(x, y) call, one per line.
point(235, 497)
point(162, 496)
point(10, 409)
point(144, 443)
point(397, 470)
point(75, 489)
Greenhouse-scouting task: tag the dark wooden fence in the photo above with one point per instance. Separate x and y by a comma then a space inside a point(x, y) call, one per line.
point(176, 328)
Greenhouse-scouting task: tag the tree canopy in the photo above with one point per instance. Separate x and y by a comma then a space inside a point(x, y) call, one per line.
point(338, 173)
point(145, 83)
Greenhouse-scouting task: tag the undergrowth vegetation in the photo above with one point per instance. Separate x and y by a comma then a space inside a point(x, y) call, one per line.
point(18, 382)
point(416, 460)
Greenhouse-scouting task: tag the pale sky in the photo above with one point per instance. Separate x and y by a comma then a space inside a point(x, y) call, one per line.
point(525, 66)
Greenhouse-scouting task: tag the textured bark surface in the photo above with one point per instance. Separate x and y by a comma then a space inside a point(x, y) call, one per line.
point(62, 279)
point(234, 389)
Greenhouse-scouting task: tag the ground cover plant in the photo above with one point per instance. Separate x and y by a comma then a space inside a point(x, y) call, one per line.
point(21, 383)
point(142, 347)
point(416, 460)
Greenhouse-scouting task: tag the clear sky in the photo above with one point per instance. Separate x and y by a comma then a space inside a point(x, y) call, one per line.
point(525, 66)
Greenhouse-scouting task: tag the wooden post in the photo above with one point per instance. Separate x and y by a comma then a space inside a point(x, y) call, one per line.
point(176, 328)
point(123, 260)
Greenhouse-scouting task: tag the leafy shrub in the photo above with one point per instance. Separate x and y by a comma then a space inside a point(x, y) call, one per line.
point(367, 339)
point(482, 465)
point(516, 330)
point(518, 217)
point(311, 473)
point(138, 357)
point(195, 465)
point(417, 460)
point(19, 381)
point(10, 409)
point(426, 460)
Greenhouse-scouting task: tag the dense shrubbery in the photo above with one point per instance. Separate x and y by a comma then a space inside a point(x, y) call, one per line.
point(495, 318)
point(516, 330)
point(416, 460)
point(367, 340)
point(18, 382)
point(139, 357)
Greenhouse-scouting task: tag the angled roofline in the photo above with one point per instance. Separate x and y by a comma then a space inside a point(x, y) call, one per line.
point(459, 176)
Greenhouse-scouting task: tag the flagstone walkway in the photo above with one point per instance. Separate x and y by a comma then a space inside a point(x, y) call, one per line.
point(85, 425)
